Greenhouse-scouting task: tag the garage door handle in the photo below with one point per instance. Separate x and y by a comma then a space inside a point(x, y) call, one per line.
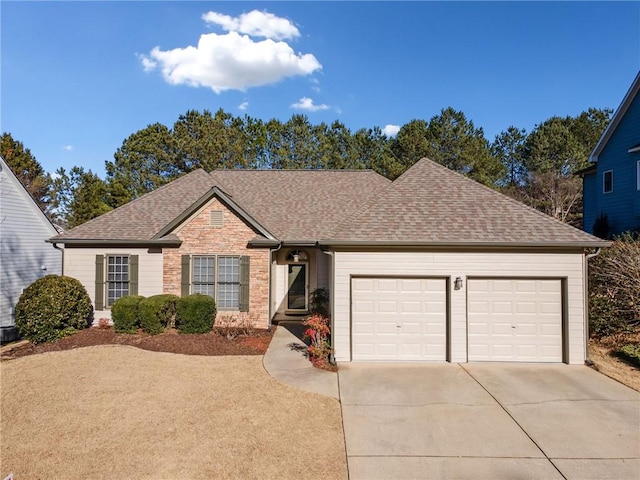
point(398, 326)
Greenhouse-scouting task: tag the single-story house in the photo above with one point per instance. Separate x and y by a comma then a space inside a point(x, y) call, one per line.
point(430, 267)
point(24, 254)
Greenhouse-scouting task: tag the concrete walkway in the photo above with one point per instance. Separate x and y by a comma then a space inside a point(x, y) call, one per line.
point(286, 361)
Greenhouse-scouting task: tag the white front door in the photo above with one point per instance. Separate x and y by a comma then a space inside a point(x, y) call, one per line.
point(401, 319)
point(515, 320)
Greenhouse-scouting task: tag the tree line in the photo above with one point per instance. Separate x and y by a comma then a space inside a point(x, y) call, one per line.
point(534, 167)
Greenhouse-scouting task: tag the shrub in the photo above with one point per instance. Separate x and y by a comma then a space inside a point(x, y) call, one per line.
point(318, 332)
point(320, 302)
point(157, 313)
point(614, 287)
point(601, 226)
point(630, 353)
point(195, 313)
point(125, 314)
point(52, 307)
point(233, 326)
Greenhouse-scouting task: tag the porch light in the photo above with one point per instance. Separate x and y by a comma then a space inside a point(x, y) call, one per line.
point(296, 258)
point(457, 283)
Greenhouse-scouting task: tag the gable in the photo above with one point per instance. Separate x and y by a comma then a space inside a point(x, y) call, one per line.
point(620, 114)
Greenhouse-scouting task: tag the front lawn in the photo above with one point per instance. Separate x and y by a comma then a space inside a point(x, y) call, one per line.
point(121, 412)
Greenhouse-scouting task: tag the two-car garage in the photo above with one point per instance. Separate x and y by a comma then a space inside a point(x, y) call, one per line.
point(515, 319)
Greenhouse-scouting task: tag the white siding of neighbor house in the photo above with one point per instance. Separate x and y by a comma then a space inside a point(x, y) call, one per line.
point(24, 254)
point(80, 263)
point(452, 265)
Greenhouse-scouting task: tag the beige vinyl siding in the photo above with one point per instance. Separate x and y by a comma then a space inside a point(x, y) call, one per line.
point(80, 263)
point(452, 265)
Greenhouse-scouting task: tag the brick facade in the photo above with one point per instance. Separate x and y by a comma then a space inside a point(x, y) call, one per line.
point(200, 238)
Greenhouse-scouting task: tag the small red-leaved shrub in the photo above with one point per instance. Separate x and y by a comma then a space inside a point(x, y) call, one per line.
point(318, 332)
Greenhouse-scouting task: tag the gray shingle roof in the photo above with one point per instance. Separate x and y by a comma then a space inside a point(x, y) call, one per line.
point(428, 204)
point(142, 218)
point(431, 204)
point(300, 204)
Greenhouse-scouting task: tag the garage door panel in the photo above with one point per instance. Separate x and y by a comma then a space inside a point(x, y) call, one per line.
point(514, 320)
point(407, 319)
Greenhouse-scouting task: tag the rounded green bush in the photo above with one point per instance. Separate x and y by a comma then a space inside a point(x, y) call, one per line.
point(195, 313)
point(52, 307)
point(157, 313)
point(125, 314)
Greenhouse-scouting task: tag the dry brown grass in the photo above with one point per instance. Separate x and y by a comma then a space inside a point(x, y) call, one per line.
point(608, 364)
point(121, 412)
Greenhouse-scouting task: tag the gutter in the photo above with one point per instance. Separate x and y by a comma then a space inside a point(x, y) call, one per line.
point(466, 244)
point(585, 268)
point(114, 242)
point(332, 359)
point(55, 245)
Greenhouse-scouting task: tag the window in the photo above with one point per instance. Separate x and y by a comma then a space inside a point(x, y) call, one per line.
point(116, 277)
point(225, 278)
point(204, 276)
point(638, 175)
point(607, 181)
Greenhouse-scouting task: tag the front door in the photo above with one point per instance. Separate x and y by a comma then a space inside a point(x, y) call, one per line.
point(297, 293)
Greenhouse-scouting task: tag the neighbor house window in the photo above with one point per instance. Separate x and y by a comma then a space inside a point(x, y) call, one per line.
point(638, 176)
point(607, 181)
point(223, 277)
point(116, 277)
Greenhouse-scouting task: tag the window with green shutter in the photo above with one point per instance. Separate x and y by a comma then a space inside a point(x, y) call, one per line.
point(223, 277)
point(116, 277)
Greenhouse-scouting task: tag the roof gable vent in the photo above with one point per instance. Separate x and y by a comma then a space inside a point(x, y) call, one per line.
point(216, 219)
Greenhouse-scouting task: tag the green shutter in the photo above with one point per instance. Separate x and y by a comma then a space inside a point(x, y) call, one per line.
point(244, 284)
point(133, 274)
point(99, 300)
point(186, 275)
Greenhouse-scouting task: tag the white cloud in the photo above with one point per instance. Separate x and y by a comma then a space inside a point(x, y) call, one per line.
point(234, 61)
point(391, 130)
point(68, 148)
point(243, 106)
point(305, 103)
point(256, 24)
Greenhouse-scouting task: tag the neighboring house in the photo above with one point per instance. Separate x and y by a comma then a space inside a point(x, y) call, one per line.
point(612, 183)
point(430, 267)
point(24, 254)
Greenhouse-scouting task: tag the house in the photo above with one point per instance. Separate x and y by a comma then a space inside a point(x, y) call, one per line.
point(24, 254)
point(430, 267)
point(611, 184)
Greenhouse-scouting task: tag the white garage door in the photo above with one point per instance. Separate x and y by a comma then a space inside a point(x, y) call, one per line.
point(515, 320)
point(402, 319)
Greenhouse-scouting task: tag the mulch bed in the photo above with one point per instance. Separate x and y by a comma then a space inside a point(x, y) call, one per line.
point(216, 342)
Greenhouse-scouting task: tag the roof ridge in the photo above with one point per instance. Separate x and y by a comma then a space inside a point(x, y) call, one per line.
point(326, 170)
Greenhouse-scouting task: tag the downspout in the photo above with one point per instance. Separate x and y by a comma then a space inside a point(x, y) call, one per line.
point(271, 252)
point(587, 360)
point(332, 359)
point(55, 245)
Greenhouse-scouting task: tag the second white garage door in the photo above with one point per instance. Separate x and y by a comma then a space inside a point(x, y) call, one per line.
point(515, 320)
point(401, 319)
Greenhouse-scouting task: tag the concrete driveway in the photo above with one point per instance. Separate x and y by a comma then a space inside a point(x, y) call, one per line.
point(484, 421)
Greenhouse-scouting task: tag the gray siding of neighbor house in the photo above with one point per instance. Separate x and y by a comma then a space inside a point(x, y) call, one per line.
point(24, 255)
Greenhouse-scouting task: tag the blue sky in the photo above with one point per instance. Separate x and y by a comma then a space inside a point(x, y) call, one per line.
point(79, 77)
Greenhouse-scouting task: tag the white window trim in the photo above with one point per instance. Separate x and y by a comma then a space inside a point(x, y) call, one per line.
point(604, 176)
point(638, 175)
